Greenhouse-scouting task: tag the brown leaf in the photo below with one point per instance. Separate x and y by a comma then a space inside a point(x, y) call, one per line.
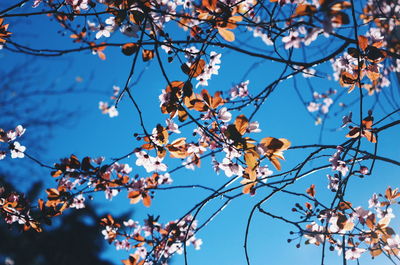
point(136, 17)
point(129, 48)
point(147, 55)
point(241, 124)
point(311, 190)
point(196, 69)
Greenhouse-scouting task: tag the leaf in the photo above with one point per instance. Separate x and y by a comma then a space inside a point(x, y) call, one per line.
point(354, 132)
point(384, 222)
point(241, 124)
point(340, 6)
point(231, 24)
point(162, 135)
point(52, 193)
point(56, 174)
point(251, 158)
point(146, 200)
point(304, 10)
point(232, 133)
point(344, 205)
point(147, 55)
point(375, 252)
point(340, 18)
point(196, 69)
point(129, 48)
point(136, 17)
point(135, 196)
point(274, 144)
point(311, 190)
point(370, 136)
point(248, 186)
point(132, 260)
point(362, 42)
point(210, 4)
point(373, 72)
point(370, 221)
point(374, 54)
point(226, 34)
point(275, 162)
point(177, 148)
point(182, 115)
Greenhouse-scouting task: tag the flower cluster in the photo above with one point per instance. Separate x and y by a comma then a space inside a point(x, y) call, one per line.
point(152, 242)
point(16, 149)
point(364, 229)
point(110, 110)
point(15, 208)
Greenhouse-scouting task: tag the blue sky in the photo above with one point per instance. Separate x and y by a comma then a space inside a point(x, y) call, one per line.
point(282, 115)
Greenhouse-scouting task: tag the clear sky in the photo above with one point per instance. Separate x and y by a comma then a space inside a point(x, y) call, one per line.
point(283, 116)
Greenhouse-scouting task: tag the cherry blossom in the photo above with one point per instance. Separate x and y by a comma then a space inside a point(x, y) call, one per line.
point(354, 253)
point(78, 202)
point(17, 150)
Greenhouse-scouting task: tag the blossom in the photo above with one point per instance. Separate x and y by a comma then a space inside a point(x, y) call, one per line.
point(253, 127)
point(109, 233)
point(78, 202)
point(106, 109)
point(104, 31)
point(292, 40)
point(374, 202)
point(263, 172)
point(17, 150)
point(124, 244)
point(172, 126)
point(141, 251)
point(388, 213)
point(314, 233)
point(19, 130)
point(313, 106)
point(231, 168)
point(130, 223)
point(130, 30)
point(110, 193)
point(224, 115)
point(354, 253)
point(164, 179)
point(346, 120)
point(240, 90)
point(333, 182)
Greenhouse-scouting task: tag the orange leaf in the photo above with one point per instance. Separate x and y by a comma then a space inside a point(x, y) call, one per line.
point(344, 205)
point(226, 34)
point(146, 200)
point(370, 136)
point(275, 162)
point(340, 6)
point(305, 10)
point(147, 55)
point(362, 42)
point(210, 4)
